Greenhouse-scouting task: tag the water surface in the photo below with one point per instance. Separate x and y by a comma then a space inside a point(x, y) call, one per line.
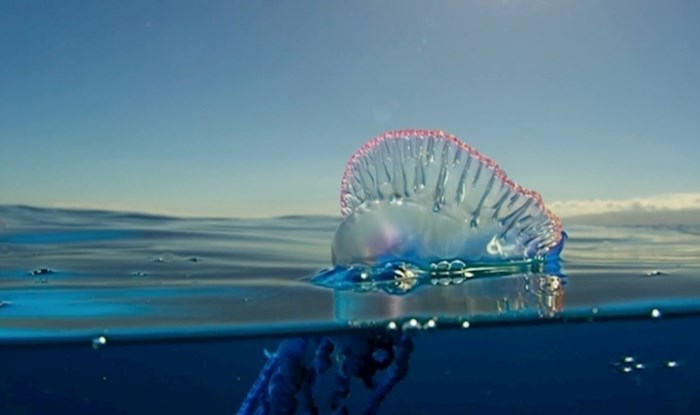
point(69, 274)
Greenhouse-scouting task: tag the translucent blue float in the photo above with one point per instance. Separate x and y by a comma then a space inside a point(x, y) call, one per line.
point(420, 207)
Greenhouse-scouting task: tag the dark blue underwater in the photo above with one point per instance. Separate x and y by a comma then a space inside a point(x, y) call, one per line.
point(567, 368)
point(130, 314)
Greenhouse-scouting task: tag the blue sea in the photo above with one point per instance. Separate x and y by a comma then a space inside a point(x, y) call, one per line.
point(122, 313)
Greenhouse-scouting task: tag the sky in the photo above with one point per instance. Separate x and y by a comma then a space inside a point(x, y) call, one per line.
point(247, 108)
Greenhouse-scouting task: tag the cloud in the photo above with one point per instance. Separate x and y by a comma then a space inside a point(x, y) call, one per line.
point(659, 203)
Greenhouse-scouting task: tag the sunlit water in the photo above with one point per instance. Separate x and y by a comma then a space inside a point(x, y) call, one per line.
point(126, 313)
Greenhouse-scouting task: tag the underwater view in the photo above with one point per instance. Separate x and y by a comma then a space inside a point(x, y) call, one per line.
point(363, 207)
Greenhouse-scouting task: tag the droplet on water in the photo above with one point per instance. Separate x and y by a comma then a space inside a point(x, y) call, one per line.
point(41, 271)
point(167, 257)
point(430, 324)
point(41, 274)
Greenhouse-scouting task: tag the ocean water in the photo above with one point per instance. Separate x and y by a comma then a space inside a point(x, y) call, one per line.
point(121, 313)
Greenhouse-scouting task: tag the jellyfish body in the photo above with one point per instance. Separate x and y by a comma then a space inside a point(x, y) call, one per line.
point(423, 196)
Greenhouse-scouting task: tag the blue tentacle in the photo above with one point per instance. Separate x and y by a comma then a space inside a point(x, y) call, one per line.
point(287, 384)
point(404, 348)
point(255, 395)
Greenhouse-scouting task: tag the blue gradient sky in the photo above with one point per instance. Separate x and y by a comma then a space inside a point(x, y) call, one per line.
point(244, 108)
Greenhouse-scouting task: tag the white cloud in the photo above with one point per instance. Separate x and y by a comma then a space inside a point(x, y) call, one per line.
point(657, 203)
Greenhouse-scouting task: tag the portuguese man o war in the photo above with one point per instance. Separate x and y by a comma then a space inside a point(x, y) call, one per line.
point(420, 205)
point(419, 208)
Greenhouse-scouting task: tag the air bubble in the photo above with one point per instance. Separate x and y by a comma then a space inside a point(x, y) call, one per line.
point(411, 324)
point(98, 342)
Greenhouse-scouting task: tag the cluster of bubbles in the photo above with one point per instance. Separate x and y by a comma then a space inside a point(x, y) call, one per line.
point(630, 364)
point(416, 324)
point(412, 324)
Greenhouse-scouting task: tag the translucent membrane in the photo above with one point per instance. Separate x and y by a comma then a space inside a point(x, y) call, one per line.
point(424, 197)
